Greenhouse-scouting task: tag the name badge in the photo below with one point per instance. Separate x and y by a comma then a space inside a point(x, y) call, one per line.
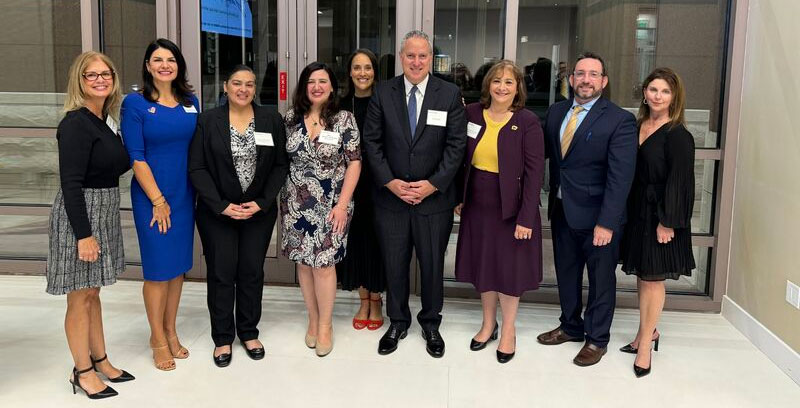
point(328, 137)
point(264, 139)
point(436, 118)
point(190, 109)
point(112, 124)
point(473, 130)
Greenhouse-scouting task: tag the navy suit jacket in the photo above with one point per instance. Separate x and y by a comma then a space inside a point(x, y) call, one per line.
point(596, 173)
point(434, 153)
point(520, 159)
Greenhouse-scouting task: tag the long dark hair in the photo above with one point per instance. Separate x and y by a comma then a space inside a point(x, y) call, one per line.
point(180, 85)
point(351, 87)
point(676, 107)
point(300, 102)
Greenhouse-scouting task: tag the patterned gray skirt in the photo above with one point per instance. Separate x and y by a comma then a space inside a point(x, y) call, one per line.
point(65, 272)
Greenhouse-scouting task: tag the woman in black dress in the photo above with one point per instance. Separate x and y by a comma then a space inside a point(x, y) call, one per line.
point(362, 268)
point(657, 242)
point(86, 251)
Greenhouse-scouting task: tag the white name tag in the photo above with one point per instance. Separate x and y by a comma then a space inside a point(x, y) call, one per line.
point(436, 118)
point(112, 124)
point(473, 130)
point(264, 139)
point(190, 109)
point(328, 137)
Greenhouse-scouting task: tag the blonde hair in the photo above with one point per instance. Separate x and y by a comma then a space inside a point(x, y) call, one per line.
point(76, 96)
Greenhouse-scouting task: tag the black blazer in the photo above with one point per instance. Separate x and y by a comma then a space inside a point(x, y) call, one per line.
point(434, 153)
point(211, 162)
point(596, 174)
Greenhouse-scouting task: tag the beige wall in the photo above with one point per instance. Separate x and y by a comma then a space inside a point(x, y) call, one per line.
point(766, 217)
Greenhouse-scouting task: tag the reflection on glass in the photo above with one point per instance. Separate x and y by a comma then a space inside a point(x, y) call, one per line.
point(237, 32)
point(128, 27)
point(346, 25)
point(40, 39)
point(468, 39)
point(634, 37)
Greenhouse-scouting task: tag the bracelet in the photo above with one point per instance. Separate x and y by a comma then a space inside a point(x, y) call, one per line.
point(161, 203)
point(161, 196)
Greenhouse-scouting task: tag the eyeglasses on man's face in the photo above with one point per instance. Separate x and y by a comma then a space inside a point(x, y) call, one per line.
point(590, 74)
point(92, 76)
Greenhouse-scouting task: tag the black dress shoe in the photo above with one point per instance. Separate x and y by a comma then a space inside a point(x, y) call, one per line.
point(503, 358)
point(224, 359)
point(476, 345)
point(255, 353)
point(388, 343)
point(641, 372)
point(434, 342)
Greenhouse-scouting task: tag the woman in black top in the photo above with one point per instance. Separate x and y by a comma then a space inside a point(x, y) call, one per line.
point(237, 164)
point(85, 233)
point(362, 267)
point(657, 241)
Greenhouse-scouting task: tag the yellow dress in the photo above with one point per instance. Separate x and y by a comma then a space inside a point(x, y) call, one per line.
point(485, 157)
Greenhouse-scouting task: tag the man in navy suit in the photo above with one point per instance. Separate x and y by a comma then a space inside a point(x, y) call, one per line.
point(591, 144)
point(414, 139)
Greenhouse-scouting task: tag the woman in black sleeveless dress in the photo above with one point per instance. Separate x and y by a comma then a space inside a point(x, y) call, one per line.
point(656, 244)
point(362, 267)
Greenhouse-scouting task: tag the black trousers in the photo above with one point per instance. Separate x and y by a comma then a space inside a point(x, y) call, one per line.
point(573, 250)
point(400, 232)
point(234, 253)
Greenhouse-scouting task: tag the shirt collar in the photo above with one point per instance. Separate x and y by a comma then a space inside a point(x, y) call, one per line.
point(420, 86)
point(586, 106)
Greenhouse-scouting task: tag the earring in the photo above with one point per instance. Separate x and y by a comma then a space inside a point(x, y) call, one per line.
point(644, 101)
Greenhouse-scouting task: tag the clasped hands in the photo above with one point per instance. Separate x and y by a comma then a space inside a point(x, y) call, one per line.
point(241, 211)
point(412, 192)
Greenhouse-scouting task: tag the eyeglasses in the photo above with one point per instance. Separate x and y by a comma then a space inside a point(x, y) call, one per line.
point(590, 74)
point(92, 76)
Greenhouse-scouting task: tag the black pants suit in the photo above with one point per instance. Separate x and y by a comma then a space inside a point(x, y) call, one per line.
point(235, 250)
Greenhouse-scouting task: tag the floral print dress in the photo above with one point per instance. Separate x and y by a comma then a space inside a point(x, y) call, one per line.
point(312, 189)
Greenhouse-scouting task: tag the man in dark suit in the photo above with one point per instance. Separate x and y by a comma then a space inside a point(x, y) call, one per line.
point(591, 144)
point(414, 139)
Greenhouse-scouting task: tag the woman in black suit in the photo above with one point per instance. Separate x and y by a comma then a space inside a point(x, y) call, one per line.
point(237, 164)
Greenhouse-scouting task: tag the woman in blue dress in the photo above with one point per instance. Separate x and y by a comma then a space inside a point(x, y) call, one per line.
point(157, 127)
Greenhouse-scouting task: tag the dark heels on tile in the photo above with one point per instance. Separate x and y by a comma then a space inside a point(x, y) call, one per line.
point(641, 372)
point(628, 348)
point(503, 358)
point(476, 345)
point(76, 383)
point(125, 376)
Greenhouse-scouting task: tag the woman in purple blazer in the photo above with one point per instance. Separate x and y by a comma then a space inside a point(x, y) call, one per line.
point(500, 238)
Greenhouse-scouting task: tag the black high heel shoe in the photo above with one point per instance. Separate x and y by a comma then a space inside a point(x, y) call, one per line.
point(476, 345)
point(503, 358)
point(76, 382)
point(125, 376)
point(631, 350)
point(641, 372)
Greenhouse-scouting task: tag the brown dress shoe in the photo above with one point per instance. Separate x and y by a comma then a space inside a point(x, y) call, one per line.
point(589, 355)
point(556, 336)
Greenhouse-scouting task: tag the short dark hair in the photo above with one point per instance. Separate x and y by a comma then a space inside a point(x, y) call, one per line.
point(351, 87)
point(497, 70)
point(592, 55)
point(180, 85)
point(300, 102)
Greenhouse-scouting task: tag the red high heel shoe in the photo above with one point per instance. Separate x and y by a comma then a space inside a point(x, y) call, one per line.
point(360, 324)
point(375, 324)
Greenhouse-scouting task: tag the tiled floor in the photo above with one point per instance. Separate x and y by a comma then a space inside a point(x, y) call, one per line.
point(703, 362)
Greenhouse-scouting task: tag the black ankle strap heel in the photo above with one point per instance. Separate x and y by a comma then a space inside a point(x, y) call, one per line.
point(76, 382)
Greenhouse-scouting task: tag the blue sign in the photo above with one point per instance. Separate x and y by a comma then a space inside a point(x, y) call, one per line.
point(231, 17)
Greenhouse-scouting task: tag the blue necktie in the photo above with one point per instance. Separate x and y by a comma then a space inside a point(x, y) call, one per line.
point(412, 110)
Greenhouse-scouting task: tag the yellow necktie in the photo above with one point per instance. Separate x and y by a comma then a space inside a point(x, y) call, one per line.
point(569, 132)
